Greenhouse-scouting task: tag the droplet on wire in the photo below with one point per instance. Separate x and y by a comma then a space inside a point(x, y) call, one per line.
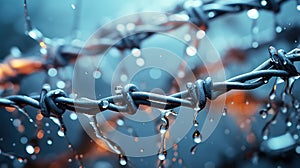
point(197, 137)
point(296, 104)
point(97, 74)
point(272, 96)
point(263, 113)
point(162, 155)
point(284, 109)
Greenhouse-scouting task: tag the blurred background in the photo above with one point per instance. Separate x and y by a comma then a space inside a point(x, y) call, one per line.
point(241, 41)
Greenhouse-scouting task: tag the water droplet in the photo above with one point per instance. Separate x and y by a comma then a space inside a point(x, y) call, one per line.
point(123, 77)
point(266, 81)
point(73, 116)
point(272, 96)
point(284, 109)
point(23, 140)
point(197, 137)
point(122, 160)
point(97, 74)
point(20, 160)
point(255, 44)
point(278, 29)
point(162, 155)
point(29, 149)
point(298, 7)
point(200, 34)
point(263, 113)
point(289, 123)
point(49, 141)
point(163, 129)
point(120, 122)
point(141, 150)
point(104, 104)
point(52, 72)
point(193, 149)
point(60, 84)
point(196, 124)
point(225, 111)
point(296, 104)
point(136, 52)
point(266, 134)
point(73, 6)
point(70, 160)
point(253, 13)
point(187, 37)
point(191, 51)
point(263, 3)
point(140, 62)
point(60, 133)
point(35, 34)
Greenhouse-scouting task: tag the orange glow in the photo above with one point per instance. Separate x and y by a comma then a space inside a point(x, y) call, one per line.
point(36, 150)
point(10, 109)
point(39, 117)
point(21, 128)
point(43, 44)
point(40, 134)
point(25, 66)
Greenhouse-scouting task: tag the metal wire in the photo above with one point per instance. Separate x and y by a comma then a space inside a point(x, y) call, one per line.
point(62, 55)
point(55, 102)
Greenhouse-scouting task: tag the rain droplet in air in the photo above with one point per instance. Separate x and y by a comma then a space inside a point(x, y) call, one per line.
point(29, 149)
point(197, 137)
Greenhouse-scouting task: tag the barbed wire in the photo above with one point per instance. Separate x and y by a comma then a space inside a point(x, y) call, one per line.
point(60, 55)
point(128, 99)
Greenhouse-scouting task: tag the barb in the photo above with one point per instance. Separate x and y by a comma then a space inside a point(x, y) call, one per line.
point(55, 102)
point(62, 55)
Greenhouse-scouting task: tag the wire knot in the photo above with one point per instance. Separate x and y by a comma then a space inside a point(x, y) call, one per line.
point(47, 102)
point(200, 92)
point(281, 62)
point(127, 98)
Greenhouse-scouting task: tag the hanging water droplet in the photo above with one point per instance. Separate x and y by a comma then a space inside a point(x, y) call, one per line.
point(104, 104)
point(35, 34)
point(289, 123)
point(60, 133)
point(263, 113)
point(97, 74)
point(296, 104)
point(266, 81)
point(284, 109)
point(122, 160)
point(197, 137)
point(224, 113)
point(193, 149)
point(29, 149)
point(272, 96)
point(162, 155)
point(265, 134)
point(163, 128)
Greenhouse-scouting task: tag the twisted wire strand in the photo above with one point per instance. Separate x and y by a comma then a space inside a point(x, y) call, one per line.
point(62, 55)
point(55, 102)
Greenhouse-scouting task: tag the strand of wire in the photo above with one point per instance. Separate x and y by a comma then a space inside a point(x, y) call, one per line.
point(55, 102)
